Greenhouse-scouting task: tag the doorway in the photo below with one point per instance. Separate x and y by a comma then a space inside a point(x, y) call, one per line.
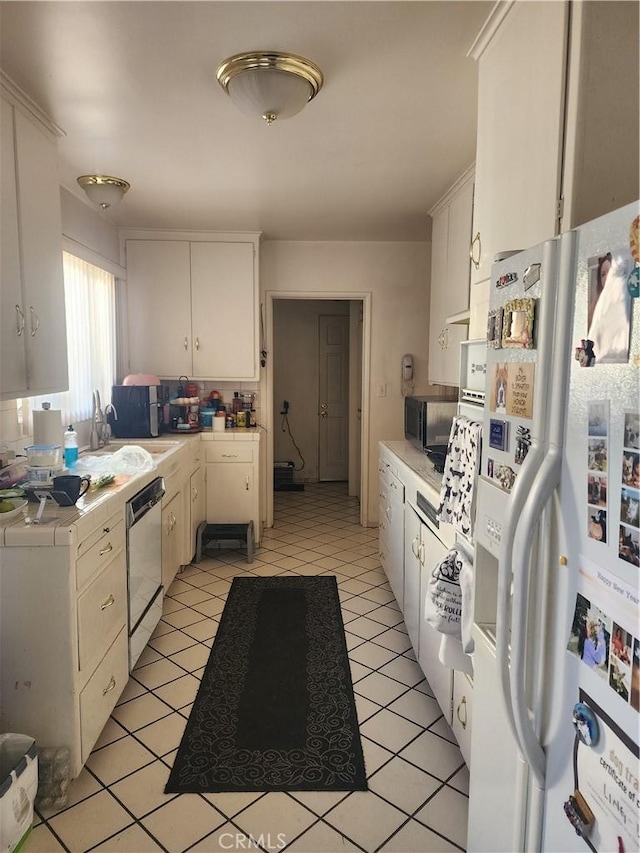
point(317, 345)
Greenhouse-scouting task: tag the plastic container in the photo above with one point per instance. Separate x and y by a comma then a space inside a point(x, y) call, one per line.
point(44, 455)
point(206, 418)
point(18, 788)
point(70, 447)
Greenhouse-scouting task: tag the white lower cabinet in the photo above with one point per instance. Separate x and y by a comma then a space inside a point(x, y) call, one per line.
point(63, 634)
point(461, 715)
point(232, 481)
point(172, 536)
point(420, 550)
point(391, 529)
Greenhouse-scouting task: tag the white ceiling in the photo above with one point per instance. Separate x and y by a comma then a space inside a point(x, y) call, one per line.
point(132, 85)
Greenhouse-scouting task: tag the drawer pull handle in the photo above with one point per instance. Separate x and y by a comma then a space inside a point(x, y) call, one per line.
point(108, 603)
point(106, 549)
point(246, 482)
point(35, 321)
point(416, 548)
point(229, 455)
point(463, 706)
point(195, 495)
point(472, 254)
point(110, 686)
point(186, 343)
point(19, 321)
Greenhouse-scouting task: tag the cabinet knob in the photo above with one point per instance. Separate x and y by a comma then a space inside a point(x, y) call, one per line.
point(472, 251)
point(19, 321)
point(186, 343)
point(198, 344)
point(194, 497)
point(246, 483)
point(462, 710)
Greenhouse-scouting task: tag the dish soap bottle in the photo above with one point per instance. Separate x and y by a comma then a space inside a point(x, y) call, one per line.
point(70, 447)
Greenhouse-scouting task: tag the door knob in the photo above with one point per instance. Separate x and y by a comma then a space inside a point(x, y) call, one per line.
point(323, 414)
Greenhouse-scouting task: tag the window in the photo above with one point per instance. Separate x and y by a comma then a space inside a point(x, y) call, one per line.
point(91, 339)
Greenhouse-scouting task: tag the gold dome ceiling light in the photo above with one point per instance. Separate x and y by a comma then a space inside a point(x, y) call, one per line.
point(103, 190)
point(268, 84)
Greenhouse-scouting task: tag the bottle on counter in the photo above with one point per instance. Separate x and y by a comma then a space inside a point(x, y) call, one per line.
point(70, 447)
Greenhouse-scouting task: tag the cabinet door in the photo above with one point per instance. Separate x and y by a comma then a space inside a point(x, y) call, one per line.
point(438, 300)
point(520, 123)
point(225, 310)
point(449, 283)
point(159, 307)
point(412, 606)
point(231, 494)
point(172, 539)
point(197, 509)
point(40, 226)
point(392, 518)
point(461, 713)
point(440, 677)
point(13, 364)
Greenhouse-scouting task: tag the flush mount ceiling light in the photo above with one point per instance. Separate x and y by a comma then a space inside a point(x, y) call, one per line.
point(103, 190)
point(268, 84)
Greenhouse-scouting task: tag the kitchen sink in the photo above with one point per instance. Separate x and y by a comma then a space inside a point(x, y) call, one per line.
point(151, 445)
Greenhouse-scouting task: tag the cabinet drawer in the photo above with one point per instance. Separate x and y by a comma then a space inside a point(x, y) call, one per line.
point(236, 451)
point(102, 611)
point(108, 542)
point(102, 691)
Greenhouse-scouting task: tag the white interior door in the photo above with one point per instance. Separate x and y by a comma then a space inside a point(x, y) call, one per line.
point(333, 405)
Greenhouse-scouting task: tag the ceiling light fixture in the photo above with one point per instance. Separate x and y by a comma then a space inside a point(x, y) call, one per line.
point(268, 84)
point(103, 190)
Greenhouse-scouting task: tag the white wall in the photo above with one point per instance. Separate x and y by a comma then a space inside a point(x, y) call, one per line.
point(397, 276)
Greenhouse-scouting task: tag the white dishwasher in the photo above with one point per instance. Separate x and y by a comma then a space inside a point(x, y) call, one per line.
point(144, 565)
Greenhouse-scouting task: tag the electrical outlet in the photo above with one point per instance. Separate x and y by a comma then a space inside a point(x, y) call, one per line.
point(285, 407)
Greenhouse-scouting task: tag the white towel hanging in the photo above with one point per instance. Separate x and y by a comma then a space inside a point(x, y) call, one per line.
point(457, 494)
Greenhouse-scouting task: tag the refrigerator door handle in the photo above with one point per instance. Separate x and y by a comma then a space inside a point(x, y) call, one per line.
point(504, 617)
point(547, 479)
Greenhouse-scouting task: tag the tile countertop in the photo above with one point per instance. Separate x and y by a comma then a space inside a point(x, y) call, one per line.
point(419, 463)
point(69, 525)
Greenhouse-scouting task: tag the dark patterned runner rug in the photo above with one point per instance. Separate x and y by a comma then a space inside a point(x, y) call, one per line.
point(275, 708)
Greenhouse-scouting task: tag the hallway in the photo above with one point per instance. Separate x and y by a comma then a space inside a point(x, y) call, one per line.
point(418, 783)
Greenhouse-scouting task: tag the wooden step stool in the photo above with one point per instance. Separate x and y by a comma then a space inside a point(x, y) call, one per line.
point(210, 533)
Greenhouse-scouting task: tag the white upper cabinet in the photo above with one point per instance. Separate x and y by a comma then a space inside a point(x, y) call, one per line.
point(521, 55)
point(193, 307)
point(450, 261)
point(33, 347)
point(557, 141)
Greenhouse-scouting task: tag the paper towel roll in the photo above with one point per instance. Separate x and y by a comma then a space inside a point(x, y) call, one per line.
point(47, 427)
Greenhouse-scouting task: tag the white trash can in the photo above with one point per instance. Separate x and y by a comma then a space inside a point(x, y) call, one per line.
point(18, 788)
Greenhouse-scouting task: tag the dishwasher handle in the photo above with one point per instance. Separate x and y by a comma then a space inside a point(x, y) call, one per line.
point(144, 501)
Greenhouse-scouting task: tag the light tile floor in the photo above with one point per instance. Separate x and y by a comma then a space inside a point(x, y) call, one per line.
point(418, 782)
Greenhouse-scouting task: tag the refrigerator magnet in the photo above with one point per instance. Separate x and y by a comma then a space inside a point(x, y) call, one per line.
point(494, 328)
point(506, 279)
point(517, 325)
point(585, 723)
point(531, 276)
point(633, 282)
point(498, 434)
point(584, 354)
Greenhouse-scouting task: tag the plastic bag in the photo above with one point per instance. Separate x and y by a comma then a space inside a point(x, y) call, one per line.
point(130, 459)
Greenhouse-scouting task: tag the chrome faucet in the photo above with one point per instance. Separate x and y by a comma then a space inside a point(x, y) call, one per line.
point(99, 428)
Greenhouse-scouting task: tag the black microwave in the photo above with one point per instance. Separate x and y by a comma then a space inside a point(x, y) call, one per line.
point(135, 411)
point(427, 421)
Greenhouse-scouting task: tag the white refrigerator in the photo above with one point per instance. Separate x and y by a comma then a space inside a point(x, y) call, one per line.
point(554, 745)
